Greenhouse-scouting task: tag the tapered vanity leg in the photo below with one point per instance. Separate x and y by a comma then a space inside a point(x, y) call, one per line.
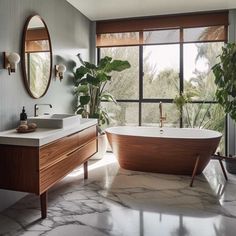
point(194, 171)
point(43, 202)
point(223, 169)
point(86, 170)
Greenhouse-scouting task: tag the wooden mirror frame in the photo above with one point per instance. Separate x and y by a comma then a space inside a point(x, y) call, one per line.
point(23, 56)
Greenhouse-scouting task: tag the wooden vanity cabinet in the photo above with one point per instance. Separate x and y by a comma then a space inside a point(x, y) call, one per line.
point(36, 169)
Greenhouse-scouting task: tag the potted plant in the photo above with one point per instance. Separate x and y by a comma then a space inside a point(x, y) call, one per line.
point(90, 90)
point(225, 80)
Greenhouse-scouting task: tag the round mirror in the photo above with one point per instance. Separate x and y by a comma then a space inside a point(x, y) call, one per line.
point(37, 57)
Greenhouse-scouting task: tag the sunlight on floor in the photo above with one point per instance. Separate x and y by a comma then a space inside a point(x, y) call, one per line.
point(94, 164)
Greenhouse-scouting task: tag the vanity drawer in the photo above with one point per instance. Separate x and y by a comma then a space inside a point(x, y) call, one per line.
point(53, 152)
point(87, 135)
point(54, 173)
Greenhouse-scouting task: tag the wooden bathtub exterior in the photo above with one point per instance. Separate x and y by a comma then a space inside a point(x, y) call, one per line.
point(162, 155)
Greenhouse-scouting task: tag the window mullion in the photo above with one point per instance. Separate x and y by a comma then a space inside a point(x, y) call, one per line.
point(181, 72)
point(140, 83)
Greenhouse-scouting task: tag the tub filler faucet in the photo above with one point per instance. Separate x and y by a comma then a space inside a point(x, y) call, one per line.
point(162, 118)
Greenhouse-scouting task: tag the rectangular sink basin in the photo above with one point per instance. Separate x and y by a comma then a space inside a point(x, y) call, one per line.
point(55, 121)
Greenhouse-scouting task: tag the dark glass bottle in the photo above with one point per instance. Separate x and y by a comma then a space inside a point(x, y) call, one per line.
point(23, 117)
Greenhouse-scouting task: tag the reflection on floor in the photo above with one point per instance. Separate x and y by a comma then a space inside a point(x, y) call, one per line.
point(115, 201)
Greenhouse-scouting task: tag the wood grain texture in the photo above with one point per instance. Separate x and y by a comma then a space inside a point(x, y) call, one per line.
point(35, 170)
point(170, 156)
point(24, 168)
point(51, 175)
point(51, 153)
point(187, 20)
point(19, 168)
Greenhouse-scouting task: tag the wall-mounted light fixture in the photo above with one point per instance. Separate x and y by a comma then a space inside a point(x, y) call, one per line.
point(10, 61)
point(59, 71)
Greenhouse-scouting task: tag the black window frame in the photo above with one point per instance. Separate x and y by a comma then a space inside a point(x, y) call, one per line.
point(141, 100)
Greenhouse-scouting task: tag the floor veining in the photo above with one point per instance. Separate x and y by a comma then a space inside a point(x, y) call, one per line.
point(119, 202)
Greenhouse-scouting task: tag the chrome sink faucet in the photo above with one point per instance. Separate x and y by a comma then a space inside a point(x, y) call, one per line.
point(162, 118)
point(36, 107)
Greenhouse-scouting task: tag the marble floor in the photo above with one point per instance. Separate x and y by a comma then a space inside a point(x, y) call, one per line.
point(118, 202)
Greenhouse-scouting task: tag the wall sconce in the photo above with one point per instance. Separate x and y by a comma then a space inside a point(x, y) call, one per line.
point(59, 71)
point(10, 61)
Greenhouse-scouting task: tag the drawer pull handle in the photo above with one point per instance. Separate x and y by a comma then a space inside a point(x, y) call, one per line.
point(72, 134)
point(70, 153)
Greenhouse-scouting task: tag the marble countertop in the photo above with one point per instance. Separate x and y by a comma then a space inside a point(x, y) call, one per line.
point(42, 136)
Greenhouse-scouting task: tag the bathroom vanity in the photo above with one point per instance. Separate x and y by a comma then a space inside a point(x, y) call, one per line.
point(34, 162)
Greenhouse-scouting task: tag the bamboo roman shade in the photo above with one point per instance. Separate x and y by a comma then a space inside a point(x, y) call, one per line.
point(211, 26)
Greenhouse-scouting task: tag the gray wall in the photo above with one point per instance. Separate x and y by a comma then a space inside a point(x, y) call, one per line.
point(93, 51)
point(231, 123)
point(70, 34)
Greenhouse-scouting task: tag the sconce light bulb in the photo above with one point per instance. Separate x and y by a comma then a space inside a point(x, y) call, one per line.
point(61, 68)
point(13, 59)
point(10, 61)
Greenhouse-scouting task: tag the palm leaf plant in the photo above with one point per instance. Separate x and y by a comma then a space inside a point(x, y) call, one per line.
point(181, 101)
point(90, 87)
point(195, 116)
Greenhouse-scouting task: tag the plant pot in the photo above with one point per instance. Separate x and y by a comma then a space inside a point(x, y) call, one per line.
point(102, 147)
point(231, 165)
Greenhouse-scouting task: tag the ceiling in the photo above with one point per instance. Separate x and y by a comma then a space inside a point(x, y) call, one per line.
point(113, 9)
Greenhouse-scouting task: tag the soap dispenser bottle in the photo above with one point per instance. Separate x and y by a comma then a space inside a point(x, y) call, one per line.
point(23, 117)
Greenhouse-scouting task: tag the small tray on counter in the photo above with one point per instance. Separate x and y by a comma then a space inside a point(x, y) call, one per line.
point(25, 131)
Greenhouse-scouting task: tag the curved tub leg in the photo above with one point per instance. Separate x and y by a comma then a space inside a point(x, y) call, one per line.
point(194, 170)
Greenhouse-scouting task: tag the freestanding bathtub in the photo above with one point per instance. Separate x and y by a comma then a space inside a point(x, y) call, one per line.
point(173, 151)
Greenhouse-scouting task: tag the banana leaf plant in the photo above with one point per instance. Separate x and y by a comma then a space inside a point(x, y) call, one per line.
point(90, 87)
point(225, 79)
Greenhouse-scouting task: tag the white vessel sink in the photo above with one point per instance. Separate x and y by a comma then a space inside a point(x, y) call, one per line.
point(55, 121)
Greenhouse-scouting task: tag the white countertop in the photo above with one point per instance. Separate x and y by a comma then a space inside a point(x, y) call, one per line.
point(42, 136)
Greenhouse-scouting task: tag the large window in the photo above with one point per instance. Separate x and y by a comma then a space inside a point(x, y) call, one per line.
point(124, 85)
point(161, 71)
point(198, 77)
point(164, 64)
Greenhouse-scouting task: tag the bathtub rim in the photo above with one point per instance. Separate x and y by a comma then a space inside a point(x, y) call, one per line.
point(217, 134)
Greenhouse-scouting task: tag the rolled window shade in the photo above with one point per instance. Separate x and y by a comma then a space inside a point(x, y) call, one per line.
point(118, 39)
point(161, 36)
point(163, 29)
point(211, 33)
